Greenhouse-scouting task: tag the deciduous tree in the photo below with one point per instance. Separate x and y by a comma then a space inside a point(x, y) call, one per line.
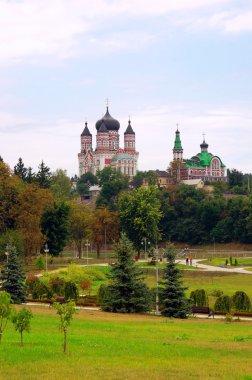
point(65, 312)
point(22, 321)
point(5, 311)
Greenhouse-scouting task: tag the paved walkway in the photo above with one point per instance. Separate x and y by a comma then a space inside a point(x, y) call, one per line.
point(199, 263)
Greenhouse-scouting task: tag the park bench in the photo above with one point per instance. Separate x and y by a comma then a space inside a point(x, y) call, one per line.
point(200, 310)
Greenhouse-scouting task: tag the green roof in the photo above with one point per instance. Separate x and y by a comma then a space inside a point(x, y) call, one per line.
point(201, 160)
point(177, 143)
point(121, 156)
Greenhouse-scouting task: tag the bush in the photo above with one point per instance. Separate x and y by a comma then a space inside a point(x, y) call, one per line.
point(57, 285)
point(241, 301)
point(39, 262)
point(102, 296)
point(216, 293)
point(86, 285)
point(236, 262)
point(71, 291)
point(231, 260)
point(199, 297)
point(37, 289)
point(223, 304)
point(226, 262)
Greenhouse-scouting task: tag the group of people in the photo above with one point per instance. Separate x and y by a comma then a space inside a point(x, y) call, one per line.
point(188, 260)
point(184, 252)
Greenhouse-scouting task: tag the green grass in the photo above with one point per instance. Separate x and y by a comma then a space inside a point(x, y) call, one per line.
point(109, 346)
point(222, 261)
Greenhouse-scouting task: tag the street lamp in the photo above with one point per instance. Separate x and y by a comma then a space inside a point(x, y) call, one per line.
point(145, 242)
point(46, 250)
point(7, 256)
point(87, 245)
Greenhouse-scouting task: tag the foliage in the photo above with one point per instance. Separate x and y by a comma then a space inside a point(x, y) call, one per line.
point(199, 297)
point(139, 212)
point(12, 277)
point(85, 181)
point(43, 177)
point(223, 304)
point(22, 321)
point(241, 301)
point(57, 285)
point(32, 203)
point(6, 310)
point(86, 285)
point(105, 227)
point(39, 262)
point(71, 291)
point(216, 293)
point(65, 312)
point(60, 186)
point(11, 237)
point(80, 225)
point(37, 288)
point(174, 303)
point(112, 182)
point(55, 226)
point(127, 292)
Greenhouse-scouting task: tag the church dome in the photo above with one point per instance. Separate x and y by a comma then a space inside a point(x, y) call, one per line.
point(110, 123)
point(121, 156)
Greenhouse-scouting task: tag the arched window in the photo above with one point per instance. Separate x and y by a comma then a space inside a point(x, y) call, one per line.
point(215, 164)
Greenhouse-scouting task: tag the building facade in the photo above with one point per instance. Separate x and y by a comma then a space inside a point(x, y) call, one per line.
point(204, 165)
point(107, 151)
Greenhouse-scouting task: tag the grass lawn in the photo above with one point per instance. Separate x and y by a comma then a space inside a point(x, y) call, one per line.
point(110, 346)
point(221, 261)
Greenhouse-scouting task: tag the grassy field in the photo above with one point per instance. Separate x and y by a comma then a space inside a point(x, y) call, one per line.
point(221, 261)
point(109, 346)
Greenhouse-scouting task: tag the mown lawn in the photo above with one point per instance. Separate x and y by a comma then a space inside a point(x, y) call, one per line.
point(110, 346)
point(222, 261)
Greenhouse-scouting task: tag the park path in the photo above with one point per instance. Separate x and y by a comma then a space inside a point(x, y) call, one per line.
point(199, 263)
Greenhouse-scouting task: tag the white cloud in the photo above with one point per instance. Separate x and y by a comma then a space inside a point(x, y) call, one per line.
point(59, 29)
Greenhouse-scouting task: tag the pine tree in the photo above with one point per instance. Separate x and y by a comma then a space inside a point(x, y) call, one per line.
point(12, 278)
point(127, 293)
point(43, 176)
point(173, 294)
point(20, 170)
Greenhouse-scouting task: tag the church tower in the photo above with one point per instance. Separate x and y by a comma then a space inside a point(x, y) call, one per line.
point(129, 139)
point(177, 150)
point(86, 139)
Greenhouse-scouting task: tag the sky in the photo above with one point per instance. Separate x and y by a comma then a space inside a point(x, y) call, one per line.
point(160, 62)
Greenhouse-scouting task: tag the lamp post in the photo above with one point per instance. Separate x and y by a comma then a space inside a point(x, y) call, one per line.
point(145, 242)
point(7, 254)
point(214, 246)
point(46, 250)
point(87, 245)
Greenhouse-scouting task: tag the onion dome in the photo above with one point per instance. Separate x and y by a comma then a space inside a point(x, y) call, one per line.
point(110, 123)
point(86, 131)
point(129, 130)
point(103, 128)
point(204, 146)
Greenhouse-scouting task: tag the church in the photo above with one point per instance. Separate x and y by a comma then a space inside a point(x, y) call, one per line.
point(107, 151)
point(204, 165)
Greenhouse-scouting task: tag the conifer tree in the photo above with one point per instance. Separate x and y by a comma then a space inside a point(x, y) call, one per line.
point(127, 293)
point(43, 176)
point(12, 278)
point(173, 294)
point(20, 170)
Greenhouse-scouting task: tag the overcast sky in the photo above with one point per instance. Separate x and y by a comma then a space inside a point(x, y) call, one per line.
point(161, 62)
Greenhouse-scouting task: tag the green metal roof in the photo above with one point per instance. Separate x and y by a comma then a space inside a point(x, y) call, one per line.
point(201, 160)
point(121, 156)
point(177, 143)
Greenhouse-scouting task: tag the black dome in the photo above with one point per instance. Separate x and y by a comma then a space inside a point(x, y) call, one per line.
point(110, 123)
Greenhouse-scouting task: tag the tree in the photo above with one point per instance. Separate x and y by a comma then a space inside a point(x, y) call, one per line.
point(85, 181)
point(173, 297)
point(22, 322)
point(139, 212)
point(235, 178)
point(71, 291)
point(223, 304)
point(199, 297)
point(60, 186)
point(11, 237)
point(20, 170)
point(80, 225)
point(55, 226)
point(12, 278)
point(105, 227)
point(65, 312)
point(112, 182)
point(127, 292)
point(9, 190)
point(43, 176)
point(6, 310)
point(32, 203)
point(241, 301)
